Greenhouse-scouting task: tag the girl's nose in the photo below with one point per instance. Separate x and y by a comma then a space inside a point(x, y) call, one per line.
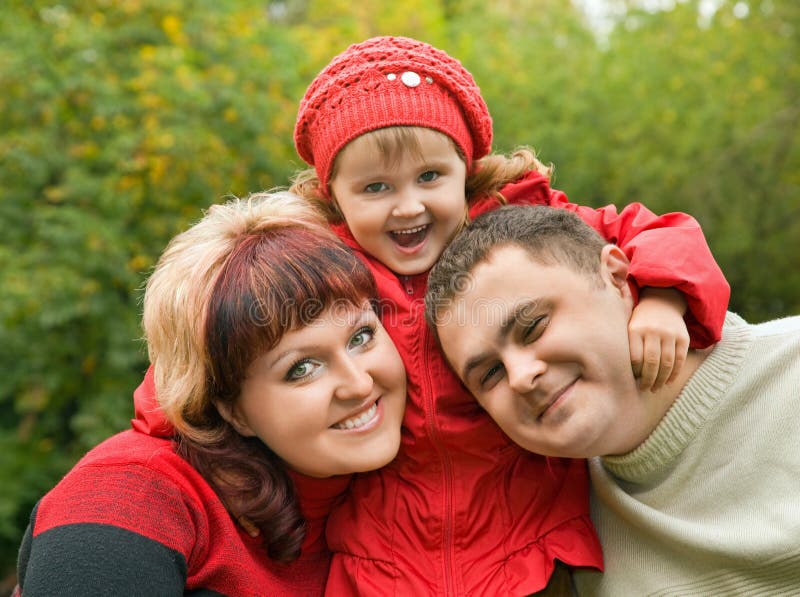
point(408, 206)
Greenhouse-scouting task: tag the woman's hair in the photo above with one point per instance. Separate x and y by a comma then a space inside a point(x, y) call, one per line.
point(486, 176)
point(224, 292)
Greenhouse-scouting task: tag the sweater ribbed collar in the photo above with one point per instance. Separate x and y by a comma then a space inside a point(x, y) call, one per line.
point(696, 403)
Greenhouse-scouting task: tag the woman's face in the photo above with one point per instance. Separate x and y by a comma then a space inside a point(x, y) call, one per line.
point(329, 397)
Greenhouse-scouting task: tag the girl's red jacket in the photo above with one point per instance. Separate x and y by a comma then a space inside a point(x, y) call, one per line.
point(462, 510)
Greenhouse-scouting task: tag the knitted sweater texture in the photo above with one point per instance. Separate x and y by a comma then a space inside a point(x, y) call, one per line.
point(709, 504)
point(133, 518)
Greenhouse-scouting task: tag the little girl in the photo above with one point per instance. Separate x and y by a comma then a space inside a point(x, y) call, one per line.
point(399, 137)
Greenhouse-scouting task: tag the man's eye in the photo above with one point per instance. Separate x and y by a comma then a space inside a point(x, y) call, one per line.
point(362, 337)
point(376, 187)
point(490, 375)
point(534, 329)
point(428, 176)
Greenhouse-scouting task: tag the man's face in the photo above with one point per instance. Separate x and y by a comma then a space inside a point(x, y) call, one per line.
point(545, 351)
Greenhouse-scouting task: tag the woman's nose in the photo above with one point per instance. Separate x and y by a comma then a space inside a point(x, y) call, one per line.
point(355, 381)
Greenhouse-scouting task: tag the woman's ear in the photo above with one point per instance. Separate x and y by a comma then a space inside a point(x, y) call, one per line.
point(614, 266)
point(231, 414)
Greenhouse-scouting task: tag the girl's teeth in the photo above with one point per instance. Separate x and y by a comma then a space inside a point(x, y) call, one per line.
point(360, 420)
point(411, 236)
point(410, 230)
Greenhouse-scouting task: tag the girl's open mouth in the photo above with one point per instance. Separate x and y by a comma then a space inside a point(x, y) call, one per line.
point(410, 237)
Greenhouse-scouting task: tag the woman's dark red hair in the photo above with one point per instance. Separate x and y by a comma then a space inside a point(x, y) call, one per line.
point(274, 280)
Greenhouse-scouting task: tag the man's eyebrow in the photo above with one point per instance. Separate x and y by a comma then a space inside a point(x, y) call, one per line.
point(506, 325)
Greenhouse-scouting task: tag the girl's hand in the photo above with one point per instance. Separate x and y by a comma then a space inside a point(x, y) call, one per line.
point(659, 340)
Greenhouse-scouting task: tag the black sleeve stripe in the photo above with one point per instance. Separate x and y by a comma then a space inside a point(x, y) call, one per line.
point(25, 548)
point(99, 559)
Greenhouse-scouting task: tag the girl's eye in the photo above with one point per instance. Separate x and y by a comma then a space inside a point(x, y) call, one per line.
point(491, 375)
point(376, 187)
point(362, 337)
point(300, 370)
point(428, 176)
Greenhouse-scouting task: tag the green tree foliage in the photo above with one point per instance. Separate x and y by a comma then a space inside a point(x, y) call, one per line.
point(702, 115)
point(120, 120)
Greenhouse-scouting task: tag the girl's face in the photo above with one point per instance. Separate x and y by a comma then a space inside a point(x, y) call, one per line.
point(405, 211)
point(329, 397)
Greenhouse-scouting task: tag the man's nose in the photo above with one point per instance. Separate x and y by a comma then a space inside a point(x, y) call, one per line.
point(523, 369)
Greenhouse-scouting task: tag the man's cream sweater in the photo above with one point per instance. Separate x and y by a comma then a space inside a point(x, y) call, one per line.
point(709, 504)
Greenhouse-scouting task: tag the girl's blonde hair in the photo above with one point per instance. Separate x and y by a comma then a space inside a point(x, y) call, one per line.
point(486, 176)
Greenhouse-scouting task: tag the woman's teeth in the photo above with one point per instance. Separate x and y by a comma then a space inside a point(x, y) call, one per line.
point(360, 420)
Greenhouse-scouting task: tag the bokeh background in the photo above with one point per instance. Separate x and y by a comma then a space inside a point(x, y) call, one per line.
point(120, 120)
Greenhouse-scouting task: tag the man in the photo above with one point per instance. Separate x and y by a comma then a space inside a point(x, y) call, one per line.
point(696, 486)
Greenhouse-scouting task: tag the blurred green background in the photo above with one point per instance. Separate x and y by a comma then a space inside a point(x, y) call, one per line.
point(120, 120)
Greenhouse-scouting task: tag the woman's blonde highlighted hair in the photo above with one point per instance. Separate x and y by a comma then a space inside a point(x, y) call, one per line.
point(224, 292)
point(179, 292)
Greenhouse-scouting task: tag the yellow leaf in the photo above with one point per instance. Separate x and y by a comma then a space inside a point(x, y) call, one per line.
point(89, 364)
point(147, 52)
point(230, 115)
point(173, 27)
point(138, 263)
point(758, 83)
point(54, 194)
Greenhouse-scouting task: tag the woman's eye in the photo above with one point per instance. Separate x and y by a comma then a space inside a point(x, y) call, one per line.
point(300, 370)
point(376, 187)
point(490, 375)
point(362, 337)
point(428, 176)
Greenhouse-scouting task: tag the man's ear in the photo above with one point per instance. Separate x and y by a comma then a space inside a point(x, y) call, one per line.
point(231, 414)
point(614, 266)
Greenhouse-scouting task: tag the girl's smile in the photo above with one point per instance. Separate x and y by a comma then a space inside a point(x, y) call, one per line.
point(411, 238)
point(402, 204)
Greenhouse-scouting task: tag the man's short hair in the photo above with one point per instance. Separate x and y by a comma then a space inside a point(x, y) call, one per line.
point(551, 236)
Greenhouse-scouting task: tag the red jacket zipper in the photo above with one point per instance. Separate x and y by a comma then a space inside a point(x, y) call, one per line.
point(449, 573)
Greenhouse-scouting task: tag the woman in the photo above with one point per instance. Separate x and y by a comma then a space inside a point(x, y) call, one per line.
point(275, 381)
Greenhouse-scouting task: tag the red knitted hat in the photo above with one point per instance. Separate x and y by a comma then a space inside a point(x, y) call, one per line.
point(389, 81)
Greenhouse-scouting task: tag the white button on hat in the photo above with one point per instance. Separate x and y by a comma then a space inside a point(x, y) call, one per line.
point(410, 79)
